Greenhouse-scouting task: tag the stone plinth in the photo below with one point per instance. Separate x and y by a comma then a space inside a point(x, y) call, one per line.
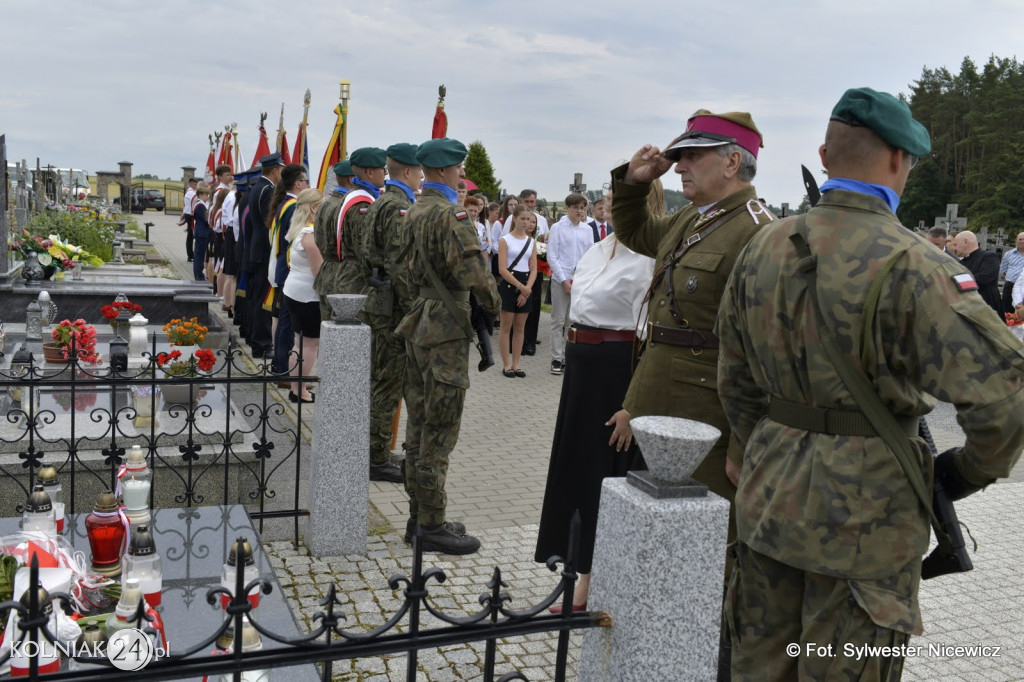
point(658, 566)
point(339, 483)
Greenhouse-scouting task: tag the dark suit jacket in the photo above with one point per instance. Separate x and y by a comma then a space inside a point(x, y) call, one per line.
point(984, 265)
point(257, 235)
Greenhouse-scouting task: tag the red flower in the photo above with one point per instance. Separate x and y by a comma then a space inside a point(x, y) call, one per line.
point(206, 359)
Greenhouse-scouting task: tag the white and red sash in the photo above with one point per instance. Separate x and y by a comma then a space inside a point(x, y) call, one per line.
point(356, 196)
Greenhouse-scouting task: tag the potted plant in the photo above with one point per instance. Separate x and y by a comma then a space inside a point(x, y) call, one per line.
point(175, 364)
point(185, 333)
point(78, 337)
point(111, 312)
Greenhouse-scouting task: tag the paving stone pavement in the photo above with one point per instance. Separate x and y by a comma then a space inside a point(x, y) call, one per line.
point(496, 485)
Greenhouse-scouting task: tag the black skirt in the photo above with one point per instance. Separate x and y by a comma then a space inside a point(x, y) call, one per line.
point(230, 266)
point(593, 388)
point(510, 295)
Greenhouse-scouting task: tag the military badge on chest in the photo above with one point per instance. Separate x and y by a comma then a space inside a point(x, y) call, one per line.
point(691, 284)
point(710, 215)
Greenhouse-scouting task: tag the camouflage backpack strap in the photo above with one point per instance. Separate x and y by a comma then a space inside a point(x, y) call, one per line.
point(860, 387)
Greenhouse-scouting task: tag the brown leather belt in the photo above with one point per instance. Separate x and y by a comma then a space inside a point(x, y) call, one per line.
point(595, 336)
point(675, 336)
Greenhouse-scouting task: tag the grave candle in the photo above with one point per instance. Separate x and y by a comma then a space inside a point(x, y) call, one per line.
point(51, 484)
point(38, 516)
point(240, 551)
point(142, 563)
point(135, 486)
point(106, 526)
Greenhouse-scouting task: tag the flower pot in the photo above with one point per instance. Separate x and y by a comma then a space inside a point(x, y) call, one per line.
point(186, 351)
point(179, 394)
point(53, 353)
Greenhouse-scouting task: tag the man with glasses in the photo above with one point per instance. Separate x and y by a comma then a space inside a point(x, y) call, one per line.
point(831, 532)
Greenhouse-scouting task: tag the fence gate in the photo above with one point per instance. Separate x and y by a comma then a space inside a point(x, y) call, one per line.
point(174, 198)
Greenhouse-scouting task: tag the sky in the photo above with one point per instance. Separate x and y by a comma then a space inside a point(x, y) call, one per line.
point(551, 88)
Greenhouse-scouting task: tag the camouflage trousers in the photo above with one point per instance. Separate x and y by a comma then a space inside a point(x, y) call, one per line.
point(436, 380)
point(789, 624)
point(387, 371)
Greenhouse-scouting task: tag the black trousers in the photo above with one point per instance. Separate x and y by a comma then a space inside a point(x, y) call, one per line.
point(1008, 297)
point(190, 224)
point(533, 319)
point(259, 319)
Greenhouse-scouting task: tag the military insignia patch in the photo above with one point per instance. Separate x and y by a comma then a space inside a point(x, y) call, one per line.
point(965, 282)
point(461, 215)
point(691, 284)
point(363, 210)
point(402, 211)
point(708, 216)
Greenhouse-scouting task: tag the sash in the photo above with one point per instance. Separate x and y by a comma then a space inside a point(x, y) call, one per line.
point(356, 196)
point(275, 236)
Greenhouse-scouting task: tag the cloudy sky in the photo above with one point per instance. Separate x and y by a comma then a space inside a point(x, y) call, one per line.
point(550, 87)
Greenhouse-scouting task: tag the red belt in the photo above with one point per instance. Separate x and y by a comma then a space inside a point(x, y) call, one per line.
point(595, 336)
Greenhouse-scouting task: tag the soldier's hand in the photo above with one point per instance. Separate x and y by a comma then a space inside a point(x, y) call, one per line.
point(622, 434)
point(646, 165)
point(732, 471)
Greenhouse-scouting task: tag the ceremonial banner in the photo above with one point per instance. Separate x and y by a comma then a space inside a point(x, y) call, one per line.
point(301, 152)
point(263, 148)
point(282, 146)
point(440, 128)
point(333, 154)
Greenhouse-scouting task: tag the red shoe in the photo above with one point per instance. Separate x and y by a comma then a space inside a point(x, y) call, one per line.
point(576, 608)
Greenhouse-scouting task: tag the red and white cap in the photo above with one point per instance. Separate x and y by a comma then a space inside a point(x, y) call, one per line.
point(705, 129)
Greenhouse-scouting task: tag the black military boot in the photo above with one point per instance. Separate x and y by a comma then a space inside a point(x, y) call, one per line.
point(386, 471)
point(445, 539)
point(410, 528)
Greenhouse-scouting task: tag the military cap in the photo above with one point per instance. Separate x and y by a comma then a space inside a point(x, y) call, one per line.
point(441, 153)
point(705, 129)
point(369, 157)
point(273, 159)
point(343, 168)
point(404, 152)
point(241, 181)
point(884, 115)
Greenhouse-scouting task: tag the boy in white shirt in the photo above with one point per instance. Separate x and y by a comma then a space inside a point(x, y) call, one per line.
point(568, 240)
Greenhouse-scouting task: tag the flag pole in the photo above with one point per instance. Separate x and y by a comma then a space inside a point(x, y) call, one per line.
point(345, 91)
point(306, 99)
point(280, 129)
point(234, 139)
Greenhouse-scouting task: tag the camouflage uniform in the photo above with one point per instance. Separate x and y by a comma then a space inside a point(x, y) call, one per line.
point(437, 375)
point(382, 246)
point(834, 517)
point(679, 381)
point(325, 231)
point(340, 276)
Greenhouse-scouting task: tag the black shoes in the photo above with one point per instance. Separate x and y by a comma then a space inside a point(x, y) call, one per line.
point(557, 367)
point(446, 539)
point(386, 471)
point(410, 528)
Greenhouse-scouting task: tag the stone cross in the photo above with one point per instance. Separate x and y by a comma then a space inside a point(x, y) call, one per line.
point(950, 221)
point(577, 185)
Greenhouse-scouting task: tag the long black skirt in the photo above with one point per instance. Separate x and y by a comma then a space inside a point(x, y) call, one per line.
point(593, 388)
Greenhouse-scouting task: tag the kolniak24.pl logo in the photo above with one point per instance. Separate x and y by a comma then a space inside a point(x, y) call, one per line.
point(129, 649)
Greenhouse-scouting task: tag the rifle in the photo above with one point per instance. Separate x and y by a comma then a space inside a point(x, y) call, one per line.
point(483, 324)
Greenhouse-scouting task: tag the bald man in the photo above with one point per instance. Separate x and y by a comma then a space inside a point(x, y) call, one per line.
point(984, 265)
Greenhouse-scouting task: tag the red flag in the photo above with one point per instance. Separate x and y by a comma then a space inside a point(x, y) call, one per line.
point(301, 152)
point(286, 155)
point(225, 152)
point(333, 153)
point(440, 128)
point(263, 148)
point(211, 164)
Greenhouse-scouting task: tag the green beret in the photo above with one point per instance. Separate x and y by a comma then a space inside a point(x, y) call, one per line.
point(886, 116)
point(369, 157)
point(343, 168)
point(403, 152)
point(441, 153)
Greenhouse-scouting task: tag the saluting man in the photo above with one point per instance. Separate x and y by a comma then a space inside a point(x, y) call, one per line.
point(831, 533)
point(384, 309)
point(446, 267)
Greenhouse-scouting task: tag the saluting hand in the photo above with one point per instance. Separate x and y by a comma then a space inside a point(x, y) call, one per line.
point(647, 165)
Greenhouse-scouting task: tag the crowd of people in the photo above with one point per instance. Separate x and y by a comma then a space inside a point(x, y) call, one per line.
point(720, 313)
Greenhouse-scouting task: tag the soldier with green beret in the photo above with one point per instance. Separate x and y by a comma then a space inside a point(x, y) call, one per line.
point(831, 532)
point(324, 227)
point(445, 266)
point(341, 242)
point(388, 300)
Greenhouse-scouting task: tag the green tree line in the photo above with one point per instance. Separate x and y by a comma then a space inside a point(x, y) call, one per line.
point(976, 121)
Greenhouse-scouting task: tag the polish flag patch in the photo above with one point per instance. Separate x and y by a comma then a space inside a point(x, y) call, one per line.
point(461, 215)
point(965, 282)
point(402, 211)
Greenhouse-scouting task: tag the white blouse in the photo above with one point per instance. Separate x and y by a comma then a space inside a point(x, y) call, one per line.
point(607, 292)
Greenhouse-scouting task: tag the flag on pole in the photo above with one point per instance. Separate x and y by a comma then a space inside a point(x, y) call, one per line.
point(211, 162)
point(333, 153)
point(440, 128)
point(263, 148)
point(301, 152)
point(225, 150)
point(286, 155)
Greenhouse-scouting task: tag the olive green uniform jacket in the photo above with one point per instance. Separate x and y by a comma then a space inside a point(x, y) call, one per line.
point(325, 236)
point(386, 248)
point(841, 505)
point(679, 381)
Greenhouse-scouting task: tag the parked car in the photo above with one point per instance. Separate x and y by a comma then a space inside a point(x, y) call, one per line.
point(147, 198)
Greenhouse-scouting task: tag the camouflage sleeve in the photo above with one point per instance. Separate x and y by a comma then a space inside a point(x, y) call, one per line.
point(325, 232)
point(381, 217)
point(468, 268)
point(966, 356)
point(743, 401)
point(634, 225)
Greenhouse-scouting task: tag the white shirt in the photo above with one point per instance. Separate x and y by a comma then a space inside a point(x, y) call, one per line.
point(496, 233)
point(566, 245)
point(190, 194)
point(227, 212)
point(512, 248)
point(607, 292)
point(1018, 292)
point(299, 285)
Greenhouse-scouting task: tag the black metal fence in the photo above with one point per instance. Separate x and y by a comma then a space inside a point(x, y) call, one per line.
point(330, 642)
point(232, 441)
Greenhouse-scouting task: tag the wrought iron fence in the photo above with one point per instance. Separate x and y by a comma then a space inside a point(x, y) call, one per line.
point(330, 642)
point(231, 441)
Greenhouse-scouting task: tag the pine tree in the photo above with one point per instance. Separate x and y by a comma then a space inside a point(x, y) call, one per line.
point(479, 169)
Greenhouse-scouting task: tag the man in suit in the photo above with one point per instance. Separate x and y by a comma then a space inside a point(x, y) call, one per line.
point(984, 265)
point(258, 255)
point(599, 222)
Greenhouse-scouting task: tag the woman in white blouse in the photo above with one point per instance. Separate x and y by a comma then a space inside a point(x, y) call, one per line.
point(517, 272)
point(304, 260)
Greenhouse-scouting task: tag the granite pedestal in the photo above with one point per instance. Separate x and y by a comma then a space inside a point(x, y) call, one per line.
point(339, 484)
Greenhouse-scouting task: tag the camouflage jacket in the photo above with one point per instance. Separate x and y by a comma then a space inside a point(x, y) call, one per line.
point(383, 244)
point(443, 234)
point(675, 380)
point(841, 505)
point(325, 231)
point(344, 276)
